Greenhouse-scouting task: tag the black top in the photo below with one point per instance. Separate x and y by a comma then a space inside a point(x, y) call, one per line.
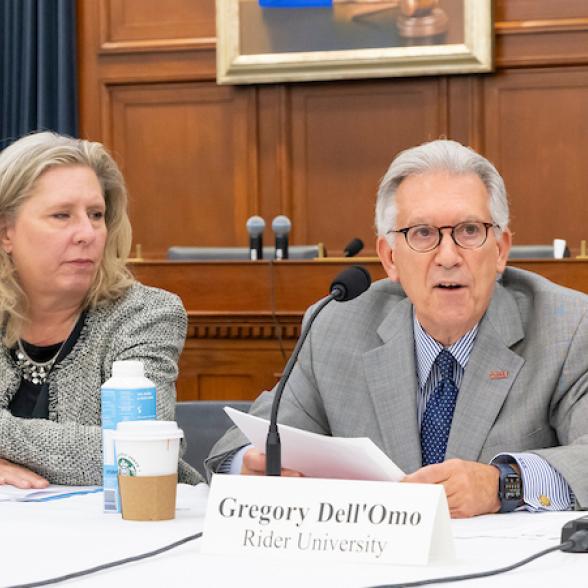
point(31, 401)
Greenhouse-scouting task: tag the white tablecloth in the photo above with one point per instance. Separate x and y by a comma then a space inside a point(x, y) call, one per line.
point(42, 540)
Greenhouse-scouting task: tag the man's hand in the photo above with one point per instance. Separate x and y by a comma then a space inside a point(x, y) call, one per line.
point(19, 476)
point(471, 488)
point(254, 465)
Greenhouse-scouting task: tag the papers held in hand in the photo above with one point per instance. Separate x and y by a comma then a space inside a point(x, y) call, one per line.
point(321, 456)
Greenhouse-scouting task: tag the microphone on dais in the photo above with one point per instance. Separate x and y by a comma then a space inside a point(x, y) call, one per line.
point(353, 248)
point(255, 227)
point(281, 226)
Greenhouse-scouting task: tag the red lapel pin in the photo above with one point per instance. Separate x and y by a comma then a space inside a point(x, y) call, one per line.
point(498, 375)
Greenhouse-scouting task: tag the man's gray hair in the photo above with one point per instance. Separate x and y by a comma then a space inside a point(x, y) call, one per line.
point(440, 155)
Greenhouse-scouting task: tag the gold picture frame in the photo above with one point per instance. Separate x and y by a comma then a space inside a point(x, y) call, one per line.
point(260, 45)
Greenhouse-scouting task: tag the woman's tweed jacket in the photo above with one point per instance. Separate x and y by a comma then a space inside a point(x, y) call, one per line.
point(147, 324)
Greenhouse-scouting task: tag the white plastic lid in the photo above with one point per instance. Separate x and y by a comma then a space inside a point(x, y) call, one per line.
point(129, 368)
point(147, 430)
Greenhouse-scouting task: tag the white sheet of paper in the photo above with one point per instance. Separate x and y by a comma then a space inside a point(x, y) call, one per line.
point(517, 525)
point(321, 456)
point(14, 494)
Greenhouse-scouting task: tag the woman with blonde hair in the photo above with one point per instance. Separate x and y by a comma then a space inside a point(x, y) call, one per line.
point(69, 308)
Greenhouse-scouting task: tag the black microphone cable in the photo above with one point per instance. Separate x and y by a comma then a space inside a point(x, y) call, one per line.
point(106, 566)
point(275, 321)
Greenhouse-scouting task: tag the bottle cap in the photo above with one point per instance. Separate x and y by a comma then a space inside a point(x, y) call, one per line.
point(128, 368)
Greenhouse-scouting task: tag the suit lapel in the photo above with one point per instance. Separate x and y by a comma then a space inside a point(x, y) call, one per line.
point(488, 377)
point(391, 376)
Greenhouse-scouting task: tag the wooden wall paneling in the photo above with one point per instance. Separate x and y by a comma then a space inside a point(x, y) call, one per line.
point(237, 290)
point(536, 133)
point(152, 24)
point(89, 87)
point(187, 147)
point(541, 32)
point(166, 66)
point(292, 157)
point(225, 369)
point(184, 151)
point(235, 355)
point(541, 43)
point(533, 10)
point(344, 136)
point(180, 54)
point(218, 287)
point(464, 110)
point(296, 285)
point(275, 170)
point(571, 273)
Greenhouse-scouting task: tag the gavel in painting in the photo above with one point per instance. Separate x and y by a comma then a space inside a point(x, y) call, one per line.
point(421, 18)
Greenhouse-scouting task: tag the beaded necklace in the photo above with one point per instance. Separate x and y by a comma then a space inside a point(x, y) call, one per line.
point(34, 371)
point(37, 371)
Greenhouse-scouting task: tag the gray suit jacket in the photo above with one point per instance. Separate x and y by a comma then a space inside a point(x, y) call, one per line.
point(524, 388)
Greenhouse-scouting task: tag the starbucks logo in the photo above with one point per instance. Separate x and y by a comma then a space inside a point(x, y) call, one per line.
point(126, 466)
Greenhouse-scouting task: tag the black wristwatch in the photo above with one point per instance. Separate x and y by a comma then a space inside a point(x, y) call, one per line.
point(510, 487)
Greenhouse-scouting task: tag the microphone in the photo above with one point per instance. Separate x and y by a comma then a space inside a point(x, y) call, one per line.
point(255, 226)
point(281, 226)
point(576, 534)
point(353, 248)
point(349, 284)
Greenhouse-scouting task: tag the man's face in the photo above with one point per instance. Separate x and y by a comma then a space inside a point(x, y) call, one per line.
point(450, 287)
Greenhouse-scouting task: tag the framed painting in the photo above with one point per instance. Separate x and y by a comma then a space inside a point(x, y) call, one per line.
point(262, 41)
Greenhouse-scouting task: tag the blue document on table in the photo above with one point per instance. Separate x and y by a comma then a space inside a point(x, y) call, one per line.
point(9, 493)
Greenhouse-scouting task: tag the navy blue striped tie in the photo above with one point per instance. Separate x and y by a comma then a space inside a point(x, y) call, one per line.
point(439, 412)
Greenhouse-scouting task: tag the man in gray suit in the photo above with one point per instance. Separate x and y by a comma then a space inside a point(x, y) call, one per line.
point(464, 372)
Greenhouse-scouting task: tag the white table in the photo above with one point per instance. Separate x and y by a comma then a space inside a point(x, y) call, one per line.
point(71, 534)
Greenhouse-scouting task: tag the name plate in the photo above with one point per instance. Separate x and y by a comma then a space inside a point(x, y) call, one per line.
point(328, 520)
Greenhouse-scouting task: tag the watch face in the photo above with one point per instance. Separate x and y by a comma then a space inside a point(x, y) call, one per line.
point(512, 489)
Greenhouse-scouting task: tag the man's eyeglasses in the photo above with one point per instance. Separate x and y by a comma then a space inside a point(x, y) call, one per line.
point(467, 235)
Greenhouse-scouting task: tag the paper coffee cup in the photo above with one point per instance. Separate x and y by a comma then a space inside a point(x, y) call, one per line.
point(559, 248)
point(147, 455)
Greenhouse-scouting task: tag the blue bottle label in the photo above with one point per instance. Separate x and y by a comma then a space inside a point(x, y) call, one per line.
point(119, 405)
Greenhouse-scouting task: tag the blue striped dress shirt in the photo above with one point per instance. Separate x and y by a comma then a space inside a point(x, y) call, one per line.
point(544, 488)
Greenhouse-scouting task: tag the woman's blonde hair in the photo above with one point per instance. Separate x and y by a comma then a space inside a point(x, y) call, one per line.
point(21, 165)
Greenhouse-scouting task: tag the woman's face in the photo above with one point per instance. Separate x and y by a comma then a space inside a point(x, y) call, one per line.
point(58, 236)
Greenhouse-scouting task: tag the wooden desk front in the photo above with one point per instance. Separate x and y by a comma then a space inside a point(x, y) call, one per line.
point(245, 316)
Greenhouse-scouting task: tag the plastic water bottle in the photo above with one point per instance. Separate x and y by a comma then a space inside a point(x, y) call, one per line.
point(127, 396)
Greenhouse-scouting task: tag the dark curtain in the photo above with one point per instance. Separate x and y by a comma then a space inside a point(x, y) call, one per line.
point(38, 84)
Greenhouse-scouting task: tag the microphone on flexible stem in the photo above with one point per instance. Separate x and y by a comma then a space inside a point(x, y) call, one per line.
point(281, 226)
point(349, 284)
point(255, 226)
point(353, 248)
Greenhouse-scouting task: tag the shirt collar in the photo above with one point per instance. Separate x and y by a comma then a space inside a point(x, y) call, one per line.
point(427, 349)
